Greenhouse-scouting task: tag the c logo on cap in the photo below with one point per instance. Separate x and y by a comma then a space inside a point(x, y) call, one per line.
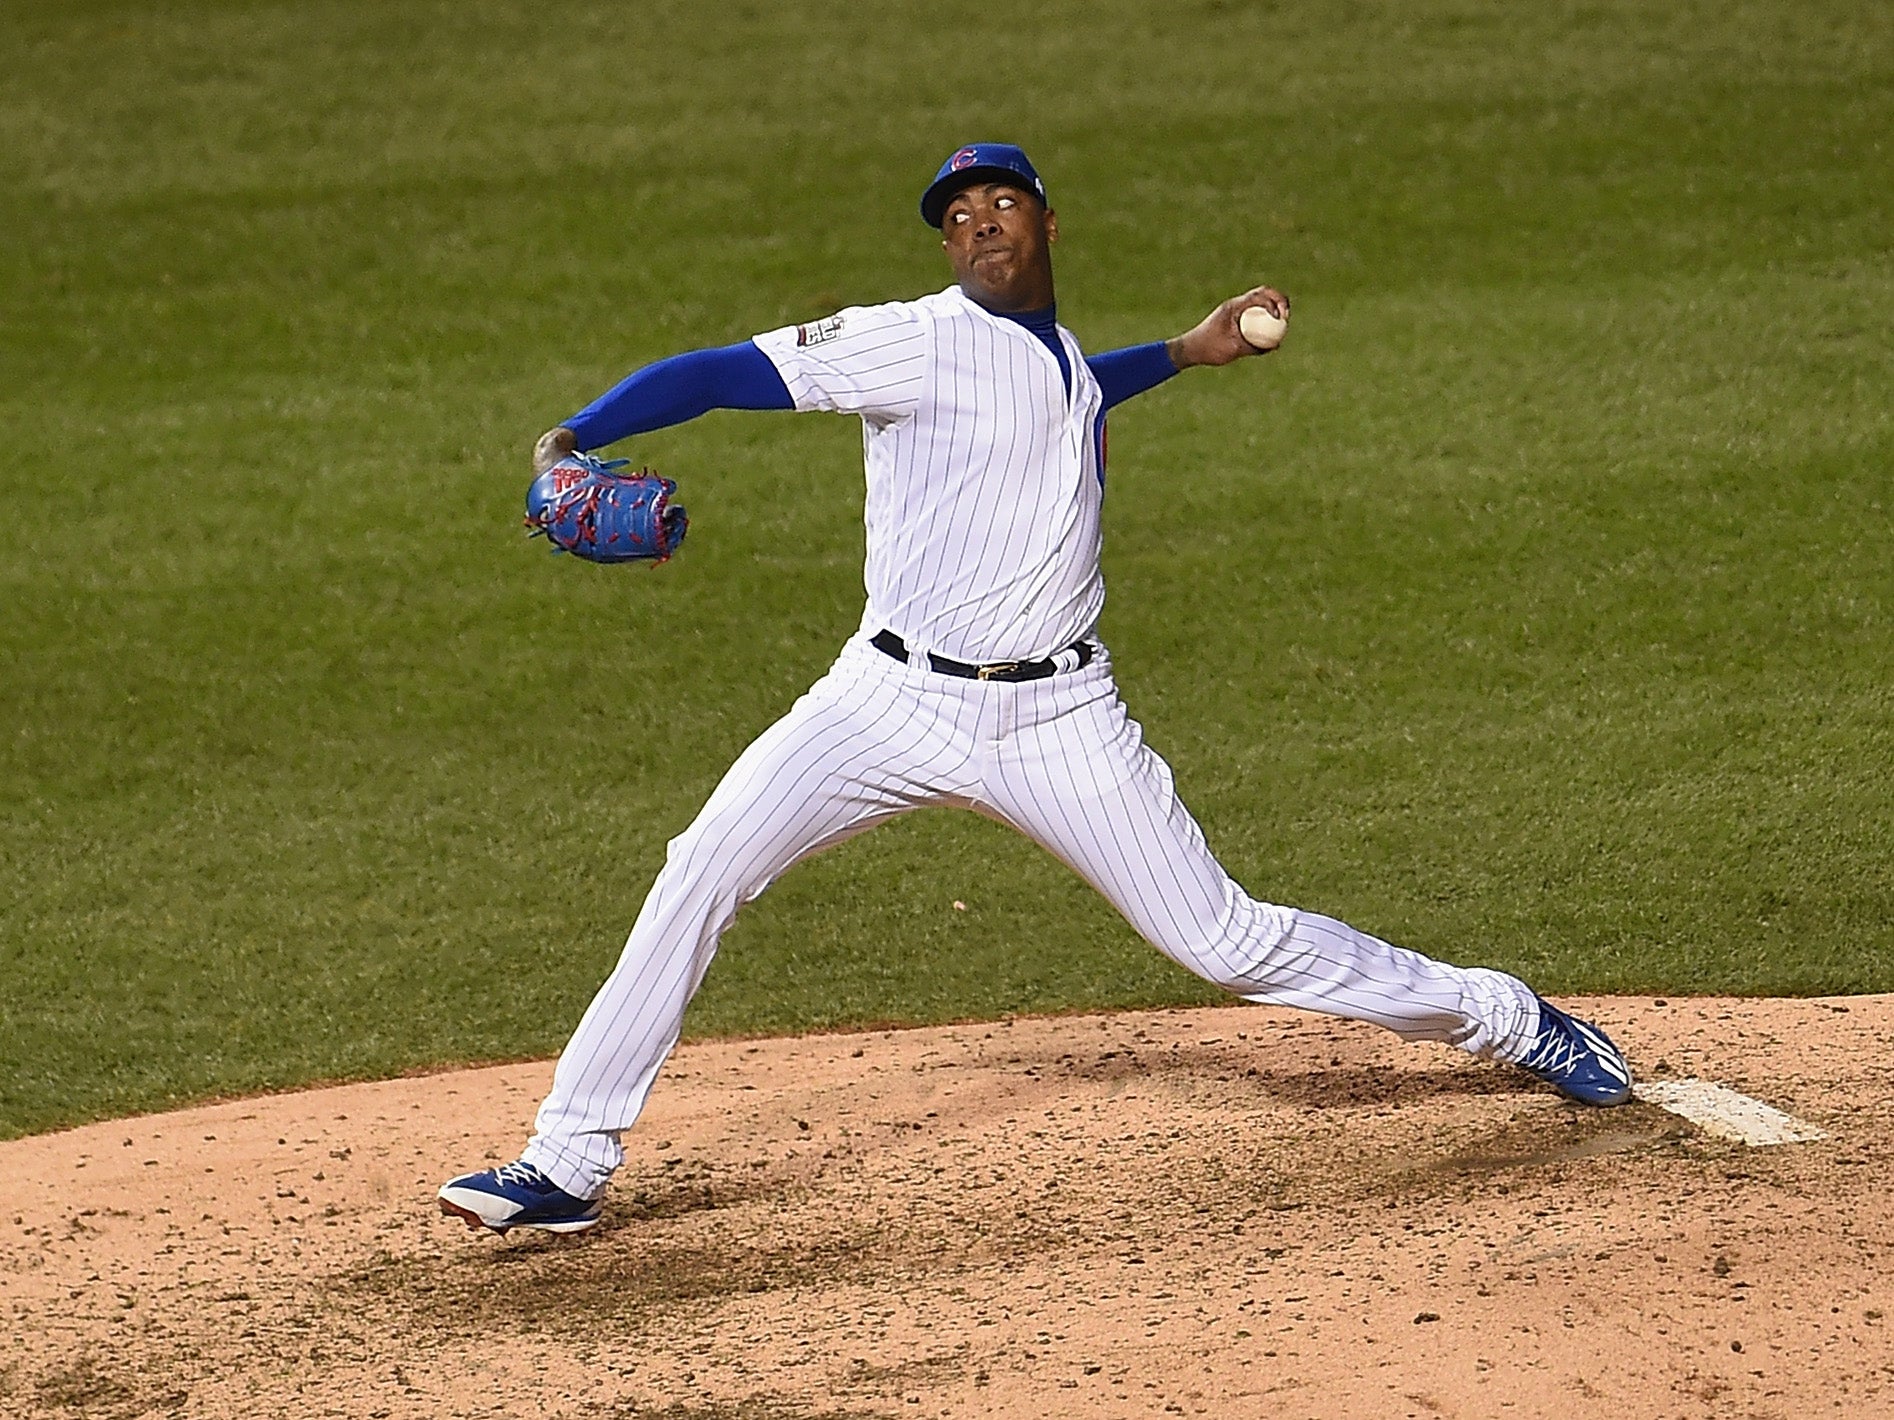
point(965, 158)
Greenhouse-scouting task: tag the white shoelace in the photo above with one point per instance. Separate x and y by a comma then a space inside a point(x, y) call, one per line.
point(523, 1174)
point(1558, 1051)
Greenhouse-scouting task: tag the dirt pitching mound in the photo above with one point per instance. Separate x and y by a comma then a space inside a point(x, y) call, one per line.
point(1231, 1212)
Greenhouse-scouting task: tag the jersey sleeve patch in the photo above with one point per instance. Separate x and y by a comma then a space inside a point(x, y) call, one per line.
point(818, 331)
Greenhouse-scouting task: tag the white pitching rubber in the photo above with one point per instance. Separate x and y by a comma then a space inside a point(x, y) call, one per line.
point(1722, 1112)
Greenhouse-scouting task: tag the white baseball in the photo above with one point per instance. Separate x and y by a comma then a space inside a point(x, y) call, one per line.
point(1262, 329)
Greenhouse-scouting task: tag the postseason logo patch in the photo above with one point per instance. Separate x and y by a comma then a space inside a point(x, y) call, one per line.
point(818, 331)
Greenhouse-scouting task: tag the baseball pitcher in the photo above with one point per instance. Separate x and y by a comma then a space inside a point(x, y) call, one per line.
point(977, 678)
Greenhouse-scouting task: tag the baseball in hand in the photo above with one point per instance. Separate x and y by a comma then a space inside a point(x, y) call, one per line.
point(1262, 329)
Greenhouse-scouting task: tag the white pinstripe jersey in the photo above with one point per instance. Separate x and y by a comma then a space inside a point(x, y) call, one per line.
point(984, 477)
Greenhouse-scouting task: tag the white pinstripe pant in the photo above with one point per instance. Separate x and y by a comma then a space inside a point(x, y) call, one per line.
point(1058, 759)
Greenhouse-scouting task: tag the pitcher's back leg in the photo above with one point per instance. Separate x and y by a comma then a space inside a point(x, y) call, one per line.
point(1086, 787)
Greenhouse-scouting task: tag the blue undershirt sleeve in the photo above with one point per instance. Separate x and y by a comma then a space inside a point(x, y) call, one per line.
point(678, 389)
point(1131, 371)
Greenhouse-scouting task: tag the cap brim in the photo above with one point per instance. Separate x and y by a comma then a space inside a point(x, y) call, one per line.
point(934, 201)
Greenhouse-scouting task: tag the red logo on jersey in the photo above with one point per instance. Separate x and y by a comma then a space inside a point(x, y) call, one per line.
point(965, 158)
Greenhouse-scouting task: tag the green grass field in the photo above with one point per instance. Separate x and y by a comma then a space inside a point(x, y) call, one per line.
point(1532, 607)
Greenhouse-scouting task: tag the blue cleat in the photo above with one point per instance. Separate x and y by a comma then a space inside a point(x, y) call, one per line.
point(1577, 1059)
point(516, 1196)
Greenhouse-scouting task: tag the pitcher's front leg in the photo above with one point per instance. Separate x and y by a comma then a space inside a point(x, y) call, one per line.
point(816, 777)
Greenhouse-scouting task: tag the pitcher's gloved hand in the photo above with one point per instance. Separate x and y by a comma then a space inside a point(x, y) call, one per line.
point(584, 506)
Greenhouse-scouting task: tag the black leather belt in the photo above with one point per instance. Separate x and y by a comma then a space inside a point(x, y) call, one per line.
point(890, 644)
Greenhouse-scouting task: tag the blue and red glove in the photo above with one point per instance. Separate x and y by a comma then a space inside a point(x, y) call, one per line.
point(584, 506)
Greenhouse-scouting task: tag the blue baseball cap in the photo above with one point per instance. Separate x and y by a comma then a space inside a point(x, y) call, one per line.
point(978, 162)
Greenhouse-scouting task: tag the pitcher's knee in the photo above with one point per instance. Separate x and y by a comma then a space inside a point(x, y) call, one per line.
point(1242, 949)
point(696, 877)
point(714, 845)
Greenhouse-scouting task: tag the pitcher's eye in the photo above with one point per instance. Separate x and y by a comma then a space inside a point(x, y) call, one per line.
point(1007, 202)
